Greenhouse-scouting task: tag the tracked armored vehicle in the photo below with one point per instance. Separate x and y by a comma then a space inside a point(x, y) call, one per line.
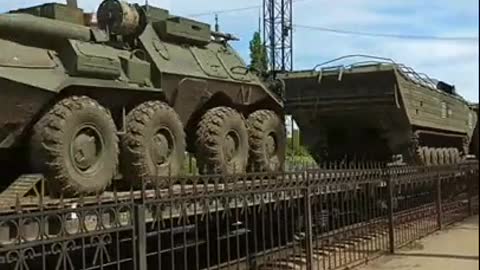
point(378, 110)
point(125, 97)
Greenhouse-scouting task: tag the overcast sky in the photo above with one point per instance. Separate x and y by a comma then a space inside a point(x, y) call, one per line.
point(452, 61)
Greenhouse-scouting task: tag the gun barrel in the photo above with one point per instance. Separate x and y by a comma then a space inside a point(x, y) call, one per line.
point(14, 24)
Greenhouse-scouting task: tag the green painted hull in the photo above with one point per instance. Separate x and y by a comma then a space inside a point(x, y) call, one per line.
point(374, 112)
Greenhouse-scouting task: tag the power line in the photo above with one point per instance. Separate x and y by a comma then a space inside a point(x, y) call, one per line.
point(222, 11)
point(384, 35)
point(343, 31)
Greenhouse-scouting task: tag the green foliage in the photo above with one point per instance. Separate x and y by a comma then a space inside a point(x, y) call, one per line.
point(258, 54)
point(298, 155)
point(190, 165)
point(295, 149)
point(294, 146)
point(298, 162)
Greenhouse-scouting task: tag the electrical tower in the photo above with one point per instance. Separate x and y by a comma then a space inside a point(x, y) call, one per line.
point(278, 33)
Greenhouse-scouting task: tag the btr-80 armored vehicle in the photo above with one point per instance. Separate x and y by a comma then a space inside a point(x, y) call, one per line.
point(139, 88)
point(376, 110)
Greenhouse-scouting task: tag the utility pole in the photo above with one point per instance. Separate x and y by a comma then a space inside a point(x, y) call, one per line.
point(217, 26)
point(278, 34)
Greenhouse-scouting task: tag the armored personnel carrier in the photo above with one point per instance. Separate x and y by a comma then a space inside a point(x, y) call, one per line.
point(126, 96)
point(378, 110)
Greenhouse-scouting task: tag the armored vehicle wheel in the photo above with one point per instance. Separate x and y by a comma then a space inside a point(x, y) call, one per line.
point(441, 156)
point(267, 141)
point(458, 156)
point(434, 156)
point(154, 144)
point(455, 155)
point(447, 156)
point(428, 156)
point(421, 155)
point(222, 142)
point(76, 147)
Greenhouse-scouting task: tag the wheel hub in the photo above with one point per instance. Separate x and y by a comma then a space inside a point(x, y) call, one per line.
point(271, 145)
point(230, 147)
point(162, 145)
point(86, 148)
point(271, 148)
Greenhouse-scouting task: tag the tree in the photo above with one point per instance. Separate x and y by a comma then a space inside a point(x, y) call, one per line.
point(258, 54)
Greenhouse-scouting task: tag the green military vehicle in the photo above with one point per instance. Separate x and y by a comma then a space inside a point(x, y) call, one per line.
point(474, 147)
point(126, 96)
point(378, 110)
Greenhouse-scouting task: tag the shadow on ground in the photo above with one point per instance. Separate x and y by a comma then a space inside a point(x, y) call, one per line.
point(456, 247)
point(446, 256)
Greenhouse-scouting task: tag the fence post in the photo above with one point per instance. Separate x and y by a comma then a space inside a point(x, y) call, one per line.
point(141, 236)
point(438, 184)
point(308, 223)
point(391, 227)
point(470, 189)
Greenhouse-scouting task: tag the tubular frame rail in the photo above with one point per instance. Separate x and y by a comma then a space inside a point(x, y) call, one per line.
point(328, 217)
point(407, 72)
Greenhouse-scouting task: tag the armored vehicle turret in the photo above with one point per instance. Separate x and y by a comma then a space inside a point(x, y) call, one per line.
point(127, 98)
point(379, 110)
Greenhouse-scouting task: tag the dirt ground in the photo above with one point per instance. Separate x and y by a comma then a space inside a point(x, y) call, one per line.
point(454, 248)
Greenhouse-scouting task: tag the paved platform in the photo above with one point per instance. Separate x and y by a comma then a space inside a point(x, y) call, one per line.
point(454, 248)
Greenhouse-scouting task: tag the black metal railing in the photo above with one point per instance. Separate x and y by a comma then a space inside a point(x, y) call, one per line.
point(327, 217)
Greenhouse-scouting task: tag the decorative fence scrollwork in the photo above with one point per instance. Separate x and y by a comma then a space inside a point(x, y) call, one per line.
point(326, 217)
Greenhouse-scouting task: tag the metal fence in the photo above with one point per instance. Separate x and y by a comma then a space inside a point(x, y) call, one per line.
point(328, 217)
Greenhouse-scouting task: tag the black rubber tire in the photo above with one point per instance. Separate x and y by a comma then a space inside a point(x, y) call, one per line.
point(447, 156)
point(423, 156)
point(434, 158)
point(142, 125)
point(441, 156)
point(53, 138)
point(428, 156)
point(211, 137)
point(420, 155)
point(261, 124)
point(455, 155)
